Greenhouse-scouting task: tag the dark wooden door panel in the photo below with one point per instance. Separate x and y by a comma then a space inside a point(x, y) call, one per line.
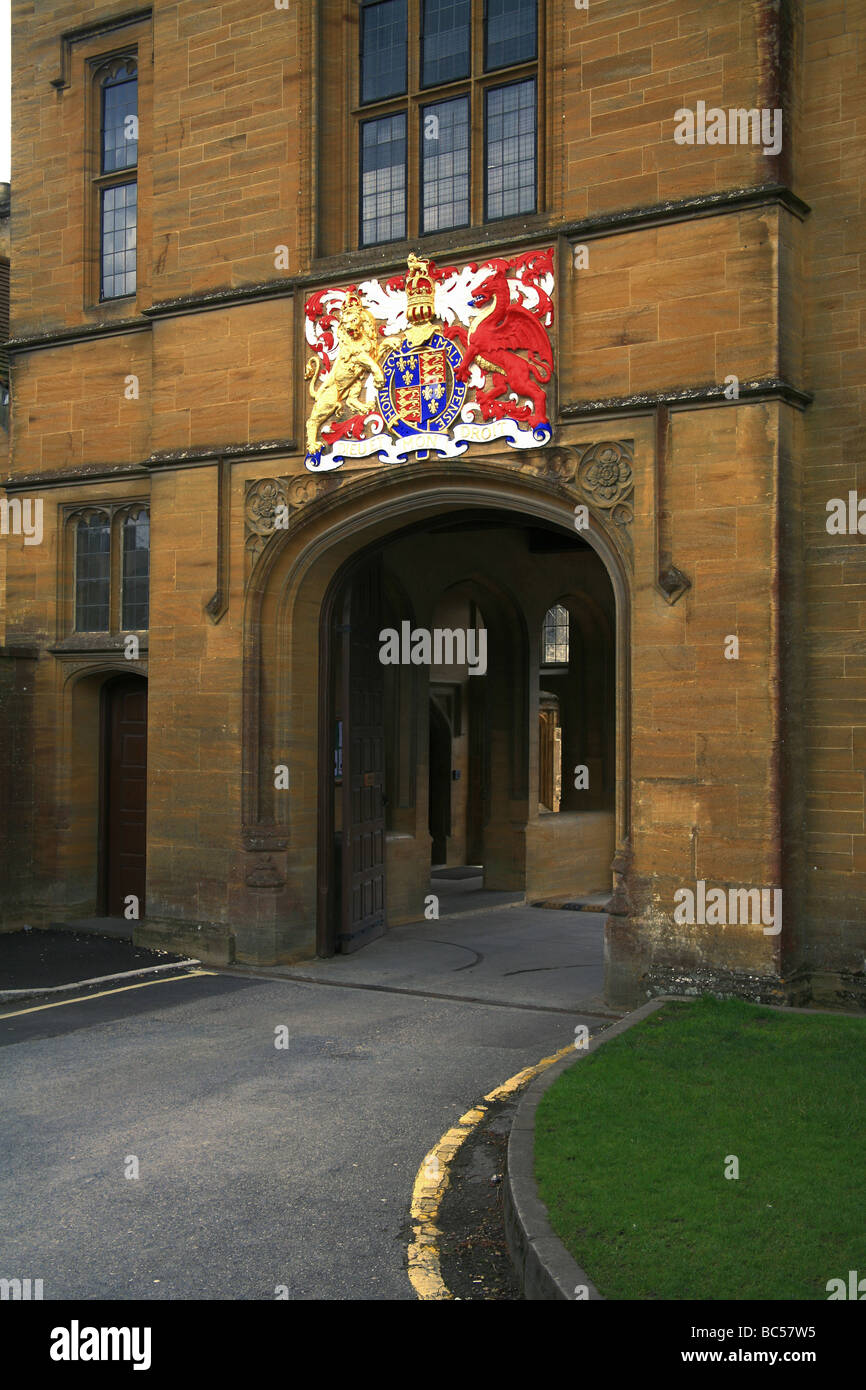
point(478, 790)
point(363, 856)
point(125, 810)
point(439, 784)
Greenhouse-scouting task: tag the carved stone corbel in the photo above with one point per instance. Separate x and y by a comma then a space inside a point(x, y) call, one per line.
point(671, 583)
point(263, 873)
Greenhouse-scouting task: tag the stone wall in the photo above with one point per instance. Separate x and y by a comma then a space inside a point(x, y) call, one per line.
point(704, 264)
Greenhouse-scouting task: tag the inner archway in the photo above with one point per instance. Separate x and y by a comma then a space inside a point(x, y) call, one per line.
point(439, 739)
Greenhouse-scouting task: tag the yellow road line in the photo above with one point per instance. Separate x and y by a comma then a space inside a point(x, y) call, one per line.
point(122, 989)
point(433, 1177)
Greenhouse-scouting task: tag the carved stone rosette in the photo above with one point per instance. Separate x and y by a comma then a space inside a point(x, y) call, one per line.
point(606, 475)
point(260, 512)
point(265, 495)
point(605, 478)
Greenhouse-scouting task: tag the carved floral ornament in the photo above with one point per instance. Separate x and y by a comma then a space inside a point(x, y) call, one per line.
point(264, 498)
point(270, 504)
point(602, 474)
point(605, 475)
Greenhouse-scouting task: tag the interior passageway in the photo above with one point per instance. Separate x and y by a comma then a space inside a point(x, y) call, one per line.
point(472, 704)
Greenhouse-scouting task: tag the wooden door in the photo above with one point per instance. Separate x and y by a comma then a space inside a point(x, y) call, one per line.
point(124, 814)
point(439, 784)
point(478, 789)
point(362, 916)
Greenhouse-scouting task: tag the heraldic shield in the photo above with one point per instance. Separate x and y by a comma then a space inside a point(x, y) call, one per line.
point(421, 391)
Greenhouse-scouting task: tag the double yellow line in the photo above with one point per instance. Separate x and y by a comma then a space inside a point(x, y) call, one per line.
point(103, 993)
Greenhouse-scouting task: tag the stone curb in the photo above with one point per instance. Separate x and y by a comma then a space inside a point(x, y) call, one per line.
point(19, 996)
point(544, 1267)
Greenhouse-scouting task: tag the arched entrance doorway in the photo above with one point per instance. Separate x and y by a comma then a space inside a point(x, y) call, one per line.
point(432, 698)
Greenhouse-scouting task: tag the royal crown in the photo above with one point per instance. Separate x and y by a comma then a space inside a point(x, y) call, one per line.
point(420, 289)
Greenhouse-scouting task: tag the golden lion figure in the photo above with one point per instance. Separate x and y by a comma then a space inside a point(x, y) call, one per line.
point(358, 357)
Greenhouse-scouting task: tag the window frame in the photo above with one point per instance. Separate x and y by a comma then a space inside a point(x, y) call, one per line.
point(364, 7)
point(101, 181)
point(380, 116)
point(116, 512)
point(558, 665)
point(434, 86)
point(128, 294)
point(426, 106)
point(498, 87)
point(417, 96)
point(125, 515)
point(504, 67)
point(81, 519)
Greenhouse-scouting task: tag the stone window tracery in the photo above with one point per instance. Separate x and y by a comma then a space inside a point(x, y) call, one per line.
point(110, 568)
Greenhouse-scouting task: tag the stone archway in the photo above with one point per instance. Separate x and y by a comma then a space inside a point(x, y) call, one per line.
point(289, 587)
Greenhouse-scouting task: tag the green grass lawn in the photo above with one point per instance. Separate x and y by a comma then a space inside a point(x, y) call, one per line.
point(632, 1141)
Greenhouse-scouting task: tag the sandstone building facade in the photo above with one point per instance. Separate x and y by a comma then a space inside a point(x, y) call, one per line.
point(195, 718)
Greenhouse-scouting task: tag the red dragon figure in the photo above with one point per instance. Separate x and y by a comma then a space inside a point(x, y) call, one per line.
point(495, 340)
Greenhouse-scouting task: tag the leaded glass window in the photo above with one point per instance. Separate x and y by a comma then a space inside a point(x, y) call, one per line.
point(120, 117)
point(119, 235)
point(445, 165)
point(446, 34)
point(554, 637)
point(510, 32)
point(384, 40)
point(510, 126)
point(111, 564)
point(93, 573)
point(419, 171)
point(383, 179)
point(116, 185)
point(135, 574)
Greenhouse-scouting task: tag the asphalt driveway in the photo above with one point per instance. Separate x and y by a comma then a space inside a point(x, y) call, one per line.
point(258, 1166)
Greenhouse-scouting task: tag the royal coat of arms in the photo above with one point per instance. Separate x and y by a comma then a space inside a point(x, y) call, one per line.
point(431, 361)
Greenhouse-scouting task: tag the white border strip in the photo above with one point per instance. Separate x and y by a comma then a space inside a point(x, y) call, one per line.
point(10, 996)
